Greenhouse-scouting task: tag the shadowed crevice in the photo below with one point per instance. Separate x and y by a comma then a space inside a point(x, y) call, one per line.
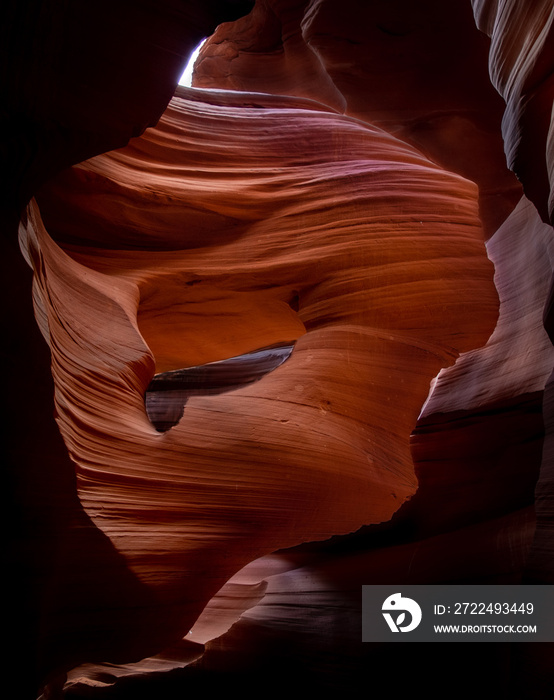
point(168, 392)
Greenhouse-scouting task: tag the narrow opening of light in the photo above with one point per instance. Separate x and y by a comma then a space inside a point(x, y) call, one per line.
point(186, 78)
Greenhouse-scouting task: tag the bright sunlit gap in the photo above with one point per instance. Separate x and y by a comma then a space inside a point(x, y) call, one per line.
point(186, 78)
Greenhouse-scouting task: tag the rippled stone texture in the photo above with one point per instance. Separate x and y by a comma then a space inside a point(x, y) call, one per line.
point(422, 72)
point(522, 70)
point(419, 71)
point(258, 207)
point(253, 227)
point(168, 392)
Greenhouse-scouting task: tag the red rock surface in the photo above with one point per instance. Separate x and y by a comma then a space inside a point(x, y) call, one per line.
point(247, 206)
point(419, 71)
point(252, 220)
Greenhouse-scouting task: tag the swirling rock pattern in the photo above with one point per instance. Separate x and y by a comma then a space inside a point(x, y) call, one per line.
point(522, 65)
point(418, 71)
point(454, 116)
point(247, 221)
point(261, 221)
point(522, 69)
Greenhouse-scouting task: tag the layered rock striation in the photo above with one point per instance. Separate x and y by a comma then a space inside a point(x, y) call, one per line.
point(273, 319)
point(262, 221)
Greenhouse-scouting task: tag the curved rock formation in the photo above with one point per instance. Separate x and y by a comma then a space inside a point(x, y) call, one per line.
point(418, 71)
point(423, 74)
point(168, 392)
point(522, 69)
point(252, 228)
point(342, 214)
point(517, 359)
point(522, 65)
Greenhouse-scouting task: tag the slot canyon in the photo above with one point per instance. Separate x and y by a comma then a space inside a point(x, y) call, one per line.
point(272, 337)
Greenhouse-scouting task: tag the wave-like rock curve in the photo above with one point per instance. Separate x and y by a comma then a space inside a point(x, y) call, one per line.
point(240, 222)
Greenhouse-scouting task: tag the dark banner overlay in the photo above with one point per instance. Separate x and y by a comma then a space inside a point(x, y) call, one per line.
point(458, 613)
